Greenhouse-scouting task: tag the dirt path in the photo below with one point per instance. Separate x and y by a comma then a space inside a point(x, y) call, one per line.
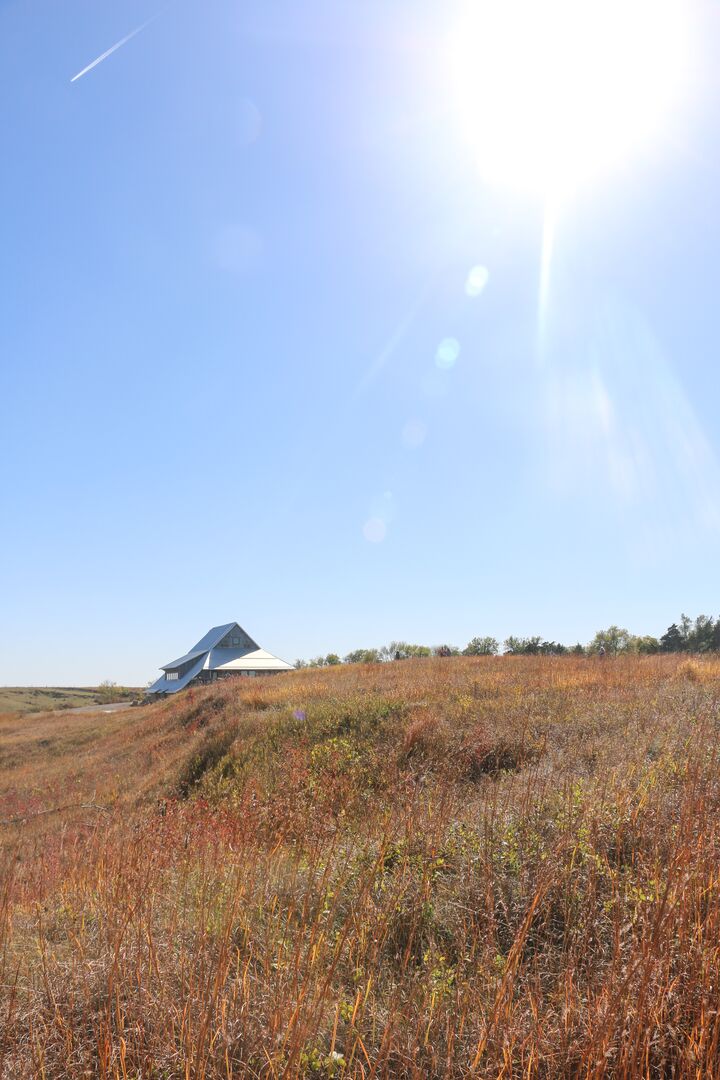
point(117, 706)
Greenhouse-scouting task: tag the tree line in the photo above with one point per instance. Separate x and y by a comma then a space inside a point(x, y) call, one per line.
point(699, 635)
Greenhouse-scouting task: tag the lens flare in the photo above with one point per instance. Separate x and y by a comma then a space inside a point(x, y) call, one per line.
point(477, 279)
point(413, 434)
point(374, 530)
point(552, 92)
point(447, 353)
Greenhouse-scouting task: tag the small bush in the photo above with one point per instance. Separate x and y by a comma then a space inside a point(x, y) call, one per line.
point(487, 757)
point(212, 750)
point(423, 737)
point(690, 670)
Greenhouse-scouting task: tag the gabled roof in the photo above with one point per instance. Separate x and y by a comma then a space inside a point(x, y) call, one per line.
point(214, 636)
point(170, 686)
point(209, 655)
point(182, 660)
point(209, 641)
point(244, 660)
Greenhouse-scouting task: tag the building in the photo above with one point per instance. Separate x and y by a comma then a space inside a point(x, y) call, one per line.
point(223, 652)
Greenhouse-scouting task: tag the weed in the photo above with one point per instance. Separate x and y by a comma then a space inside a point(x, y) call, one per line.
point(443, 868)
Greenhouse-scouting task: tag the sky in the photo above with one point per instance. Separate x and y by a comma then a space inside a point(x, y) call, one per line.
point(275, 349)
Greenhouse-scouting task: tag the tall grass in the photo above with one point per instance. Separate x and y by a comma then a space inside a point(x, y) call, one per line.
point(433, 868)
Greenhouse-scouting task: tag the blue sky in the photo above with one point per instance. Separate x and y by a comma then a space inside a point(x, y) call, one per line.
point(230, 254)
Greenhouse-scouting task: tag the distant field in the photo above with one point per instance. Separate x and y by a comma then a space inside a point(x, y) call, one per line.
point(430, 869)
point(25, 699)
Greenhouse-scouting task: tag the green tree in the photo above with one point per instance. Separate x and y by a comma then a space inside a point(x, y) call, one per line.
point(362, 656)
point(108, 692)
point(403, 650)
point(645, 644)
point(420, 650)
point(700, 637)
point(672, 640)
point(614, 640)
point(523, 646)
point(481, 646)
point(552, 648)
point(332, 659)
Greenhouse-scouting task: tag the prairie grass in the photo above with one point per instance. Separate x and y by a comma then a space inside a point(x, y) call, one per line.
point(432, 868)
point(35, 699)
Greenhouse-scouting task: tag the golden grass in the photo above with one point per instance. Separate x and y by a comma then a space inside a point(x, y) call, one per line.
point(448, 867)
point(34, 699)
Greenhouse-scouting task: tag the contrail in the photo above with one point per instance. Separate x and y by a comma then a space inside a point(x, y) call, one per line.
point(395, 340)
point(113, 48)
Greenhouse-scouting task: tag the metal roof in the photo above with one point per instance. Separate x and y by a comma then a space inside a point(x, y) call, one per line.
point(171, 686)
point(212, 638)
point(182, 660)
point(206, 655)
point(237, 660)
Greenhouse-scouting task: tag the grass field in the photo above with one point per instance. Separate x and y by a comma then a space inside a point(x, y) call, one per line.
point(448, 867)
point(31, 699)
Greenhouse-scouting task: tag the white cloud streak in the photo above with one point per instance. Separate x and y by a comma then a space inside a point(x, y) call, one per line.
point(113, 48)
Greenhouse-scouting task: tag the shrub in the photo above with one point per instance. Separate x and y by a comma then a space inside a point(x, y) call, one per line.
point(213, 748)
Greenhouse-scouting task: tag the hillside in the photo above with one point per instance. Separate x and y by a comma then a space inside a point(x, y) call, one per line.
point(32, 699)
point(425, 868)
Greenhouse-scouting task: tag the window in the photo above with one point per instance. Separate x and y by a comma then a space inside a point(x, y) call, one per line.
point(172, 675)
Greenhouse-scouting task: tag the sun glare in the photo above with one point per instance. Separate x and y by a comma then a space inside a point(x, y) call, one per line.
point(553, 92)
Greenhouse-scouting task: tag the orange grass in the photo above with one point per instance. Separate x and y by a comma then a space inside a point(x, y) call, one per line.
point(447, 867)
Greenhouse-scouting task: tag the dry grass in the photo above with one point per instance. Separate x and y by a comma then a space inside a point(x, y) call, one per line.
point(35, 699)
point(491, 867)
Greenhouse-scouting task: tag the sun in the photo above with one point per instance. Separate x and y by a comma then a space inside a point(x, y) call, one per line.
point(551, 93)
